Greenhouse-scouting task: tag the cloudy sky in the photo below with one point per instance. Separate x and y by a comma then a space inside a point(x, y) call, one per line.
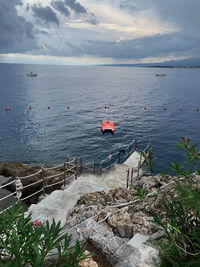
point(99, 31)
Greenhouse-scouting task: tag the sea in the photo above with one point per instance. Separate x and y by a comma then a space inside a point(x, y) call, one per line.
point(59, 112)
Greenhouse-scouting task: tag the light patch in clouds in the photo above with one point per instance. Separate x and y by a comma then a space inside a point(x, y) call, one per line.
point(137, 24)
point(54, 60)
point(83, 60)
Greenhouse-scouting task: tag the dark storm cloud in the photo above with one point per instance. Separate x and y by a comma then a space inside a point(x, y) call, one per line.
point(92, 19)
point(154, 46)
point(59, 6)
point(16, 34)
point(76, 6)
point(182, 13)
point(27, 7)
point(46, 14)
point(185, 16)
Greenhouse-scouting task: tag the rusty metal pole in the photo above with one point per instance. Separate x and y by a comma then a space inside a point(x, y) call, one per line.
point(150, 157)
point(129, 151)
point(43, 181)
point(127, 178)
point(64, 166)
point(123, 156)
point(101, 168)
point(135, 144)
point(76, 168)
point(81, 165)
point(131, 177)
point(67, 166)
point(118, 157)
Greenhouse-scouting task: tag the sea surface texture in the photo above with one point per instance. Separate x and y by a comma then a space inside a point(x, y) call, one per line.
point(30, 132)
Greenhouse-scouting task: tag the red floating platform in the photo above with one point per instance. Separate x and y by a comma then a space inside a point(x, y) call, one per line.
point(108, 126)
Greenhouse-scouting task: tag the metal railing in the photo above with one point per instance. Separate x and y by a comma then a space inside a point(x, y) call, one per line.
point(70, 169)
point(130, 172)
point(85, 166)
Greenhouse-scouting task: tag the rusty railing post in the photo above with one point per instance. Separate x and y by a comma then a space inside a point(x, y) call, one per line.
point(67, 166)
point(127, 179)
point(101, 168)
point(43, 181)
point(150, 157)
point(129, 151)
point(118, 157)
point(131, 177)
point(81, 165)
point(64, 166)
point(76, 168)
point(123, 151)
point(135, 144)
point(139, 163)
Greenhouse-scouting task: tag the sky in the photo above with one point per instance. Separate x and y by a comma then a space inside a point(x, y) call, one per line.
point(86, 32)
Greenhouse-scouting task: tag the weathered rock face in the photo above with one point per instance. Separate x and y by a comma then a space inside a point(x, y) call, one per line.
point(14, 169)
point(89, 262)
point(107, 208)
point(20, 170)
point(106, 197)
point(117, 251)
point(124, 222)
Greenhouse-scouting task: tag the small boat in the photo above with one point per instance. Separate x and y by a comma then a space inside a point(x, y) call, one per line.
point(161, 74)
point(108, 126)
point(31, 74)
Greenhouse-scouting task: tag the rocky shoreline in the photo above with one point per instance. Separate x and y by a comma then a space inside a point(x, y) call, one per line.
point(11, 170)
point(113, 220)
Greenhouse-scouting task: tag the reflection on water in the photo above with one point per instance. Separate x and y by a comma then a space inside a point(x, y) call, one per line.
point(46, 136)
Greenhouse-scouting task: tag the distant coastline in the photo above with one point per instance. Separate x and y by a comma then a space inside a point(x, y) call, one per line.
point(152, 66)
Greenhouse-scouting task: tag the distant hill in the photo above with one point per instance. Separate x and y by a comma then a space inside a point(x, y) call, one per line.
point(185, 63)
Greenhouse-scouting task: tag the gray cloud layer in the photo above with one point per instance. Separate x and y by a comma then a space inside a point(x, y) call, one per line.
point(46, 14)
point(19, 36)
point(59, 6)
point(75, 6)
point(16, 34)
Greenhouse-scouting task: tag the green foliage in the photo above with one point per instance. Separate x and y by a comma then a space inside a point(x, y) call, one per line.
point(24, 244)
point(148, 160)
point(140, 192)
point(180, 219)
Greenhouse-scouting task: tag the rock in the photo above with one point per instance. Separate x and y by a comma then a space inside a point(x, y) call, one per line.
point(21, 170)
point(124, 222)
point(115, 249)
point(149, 181)
point(147, 253)
point(16, 169)
point(106, 197)
point(89, 262)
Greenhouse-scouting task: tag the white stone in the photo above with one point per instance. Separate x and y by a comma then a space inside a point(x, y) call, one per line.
point(148, 254)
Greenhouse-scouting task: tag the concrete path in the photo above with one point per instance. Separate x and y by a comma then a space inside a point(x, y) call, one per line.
point(59, 202)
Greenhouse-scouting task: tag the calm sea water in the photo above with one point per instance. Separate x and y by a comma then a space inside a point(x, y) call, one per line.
point(46, 136)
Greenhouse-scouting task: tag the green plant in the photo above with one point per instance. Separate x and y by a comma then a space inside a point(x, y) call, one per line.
point(141, 192)
point(24, 244)
point(180, 219)
point(148, 160)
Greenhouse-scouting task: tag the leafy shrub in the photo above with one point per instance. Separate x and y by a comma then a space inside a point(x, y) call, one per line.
point(23, 243)
point(180, 219)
